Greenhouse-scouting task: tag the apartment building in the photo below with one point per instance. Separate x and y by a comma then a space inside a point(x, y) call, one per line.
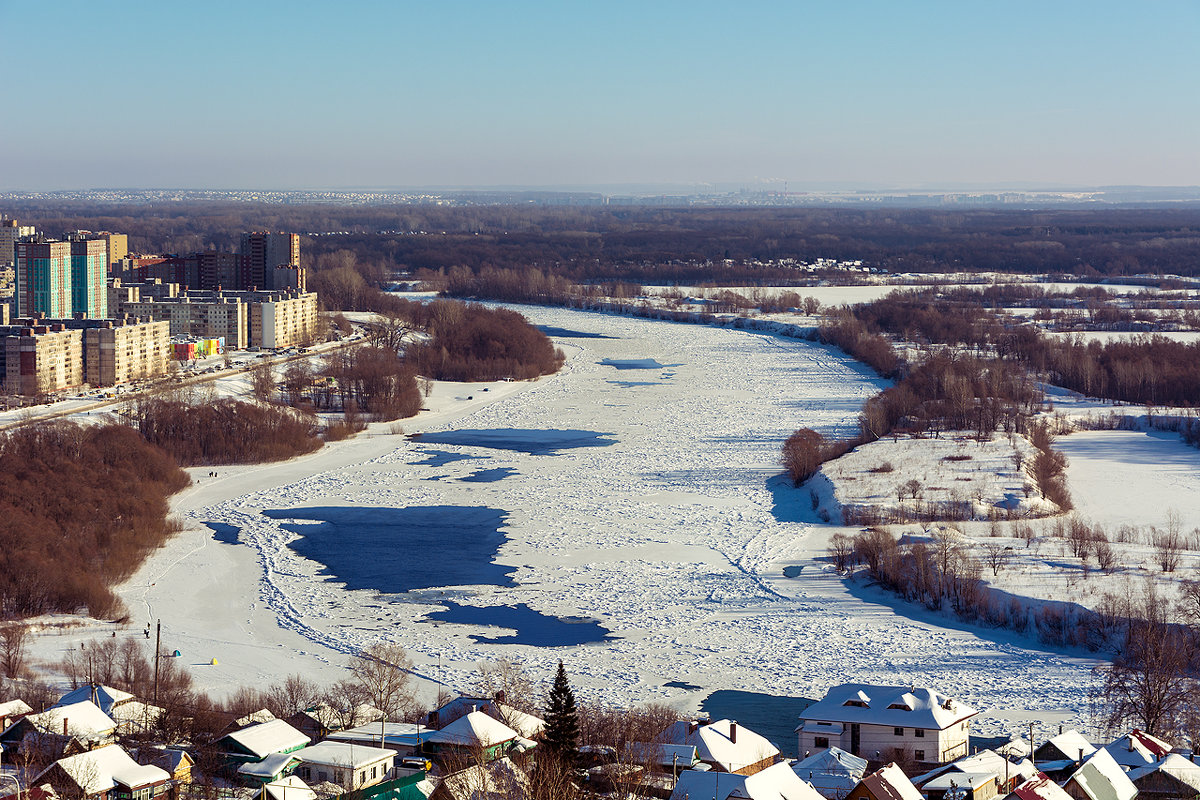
point(10, 233)
point(187, 315)
point(44, 358)
point(283, 319)
point(124, 350)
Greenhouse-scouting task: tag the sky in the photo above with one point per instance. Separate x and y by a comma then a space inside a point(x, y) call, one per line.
point(294, 95)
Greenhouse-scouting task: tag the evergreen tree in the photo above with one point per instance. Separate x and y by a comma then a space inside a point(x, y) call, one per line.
point(561, 737)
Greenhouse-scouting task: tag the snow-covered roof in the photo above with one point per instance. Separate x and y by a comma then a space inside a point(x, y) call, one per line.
point(394, 733)
point(1070, 744)
point(1040, 788)
point(343, 754)
point(254, 717)
point(101, 769)
point(776, 782)
point(105, 696)
point(890, 783)
point(289, 788)
point(1101, 778)
point(720, 743)
point(953, 778)
point(134, 716)
point(893, 706)
point(1174, 765)
point(499, 778)
point(12, 708)
point(84, 720)
point(269, 767)
point(833, 772)
point(985, 762)
point(525, 724)
point(667, 755)
point(269, 737)
point(1137, 749)
point(473, 730)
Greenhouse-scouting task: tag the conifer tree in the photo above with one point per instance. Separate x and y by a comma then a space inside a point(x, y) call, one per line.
point(562, 721)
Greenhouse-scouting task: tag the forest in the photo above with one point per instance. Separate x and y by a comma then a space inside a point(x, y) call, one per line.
point(662, 245)
point(80, 506)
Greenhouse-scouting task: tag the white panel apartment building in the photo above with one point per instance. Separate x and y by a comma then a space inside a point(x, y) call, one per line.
point(871, 721)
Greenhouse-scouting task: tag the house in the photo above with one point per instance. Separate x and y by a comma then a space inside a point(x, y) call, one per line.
point(290, 788)
point(1100, 778)
point(13, 710)
point(673, 758)
point(274, 767)
point(405, 738)
point(724, 745)
point(323, 719)
point(776, 782)
point(107, 773)
point(526, 725)
point(60, 731)
point(474, 737)
point(1039, 788)
point(969, 785)
point(177, 762)
point(1138, 749)
point(1008, 773)
point(832, 772)
point(1066, 746)
point(497, 779)
point(876, 722)
point(259, 741)
point(1173, 776)
point(888, 783)
point(106, 698)
point(352, 767)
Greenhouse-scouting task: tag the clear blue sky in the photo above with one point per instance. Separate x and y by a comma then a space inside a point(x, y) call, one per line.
point(296, 95)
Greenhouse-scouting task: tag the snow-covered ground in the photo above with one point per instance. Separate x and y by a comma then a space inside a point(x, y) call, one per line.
point(659, 516)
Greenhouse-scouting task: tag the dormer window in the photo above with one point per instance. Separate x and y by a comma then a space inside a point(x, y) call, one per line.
point(900, 707)
point(856, 704)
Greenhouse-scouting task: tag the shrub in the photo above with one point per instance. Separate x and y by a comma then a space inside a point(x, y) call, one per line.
point(226, 431)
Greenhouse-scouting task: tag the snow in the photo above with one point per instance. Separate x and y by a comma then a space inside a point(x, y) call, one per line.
point(674, 537)
point(266, 738)
point(894, 706)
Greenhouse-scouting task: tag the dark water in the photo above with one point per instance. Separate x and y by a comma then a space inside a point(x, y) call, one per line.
point(634, 384)
point(635, 363)
point(564, 333)
point(489, 475)
point(549, 442)
point(395, 550)
point(773, 717)
point(533, 628)
point(682, 685)
point(440, 458)
point(224, 532)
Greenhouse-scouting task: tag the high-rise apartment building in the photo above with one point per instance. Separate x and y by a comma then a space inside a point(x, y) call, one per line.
point(10, 232)
point(61, 279)
point(268, 252)
point(43, 271)
point(89, 277)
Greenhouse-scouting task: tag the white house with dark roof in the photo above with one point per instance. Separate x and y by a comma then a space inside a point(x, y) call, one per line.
point(876, 721)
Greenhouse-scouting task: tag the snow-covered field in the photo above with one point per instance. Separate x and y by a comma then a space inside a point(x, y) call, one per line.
point(657, 517)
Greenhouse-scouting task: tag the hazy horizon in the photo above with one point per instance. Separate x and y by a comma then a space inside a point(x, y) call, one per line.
point(871, 96)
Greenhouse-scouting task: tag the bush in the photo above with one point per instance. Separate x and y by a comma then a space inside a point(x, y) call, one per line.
point(226, 431)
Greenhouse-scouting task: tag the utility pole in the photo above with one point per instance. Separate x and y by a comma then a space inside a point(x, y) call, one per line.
point(1032, 760)
point(158, 653)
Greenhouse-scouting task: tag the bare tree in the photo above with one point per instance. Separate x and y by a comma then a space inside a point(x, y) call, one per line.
point(296, 693)
point(508, 682)
point(1167, 547)
point(996, 555)
point(385, 672)
point(841, 547)
point(262, 381)
point(14, 639)
point(912, 487)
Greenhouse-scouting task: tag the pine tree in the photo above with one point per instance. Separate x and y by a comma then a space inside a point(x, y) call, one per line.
point(561, 737)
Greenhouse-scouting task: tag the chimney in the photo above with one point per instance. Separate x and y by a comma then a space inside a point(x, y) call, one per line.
point(64, 726)
point(501, 696)
point(733, 731)
point(693, 727)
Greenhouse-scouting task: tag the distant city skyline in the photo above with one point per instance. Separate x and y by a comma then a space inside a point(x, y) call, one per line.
point(273, 95)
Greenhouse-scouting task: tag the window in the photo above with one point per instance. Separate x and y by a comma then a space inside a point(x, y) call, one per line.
point(322, 776)
point(919, 755)
point(898, 731)
point(362, 776)
point(821, 742)
point(373, 769)
point(919, 733)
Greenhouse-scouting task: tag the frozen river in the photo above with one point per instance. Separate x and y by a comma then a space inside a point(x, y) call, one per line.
point(624, 516)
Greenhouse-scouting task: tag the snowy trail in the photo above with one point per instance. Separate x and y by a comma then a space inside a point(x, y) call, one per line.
point(668, 537)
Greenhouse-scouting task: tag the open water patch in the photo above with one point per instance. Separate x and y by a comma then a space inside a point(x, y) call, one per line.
point(565, 333)
point(635, 384)
point(771, 716)
point(636, 363)
point(440, 458)
point(489, 475)
point(533, 628)
point(535, 442)
point(395, 550)
point(224, 532)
